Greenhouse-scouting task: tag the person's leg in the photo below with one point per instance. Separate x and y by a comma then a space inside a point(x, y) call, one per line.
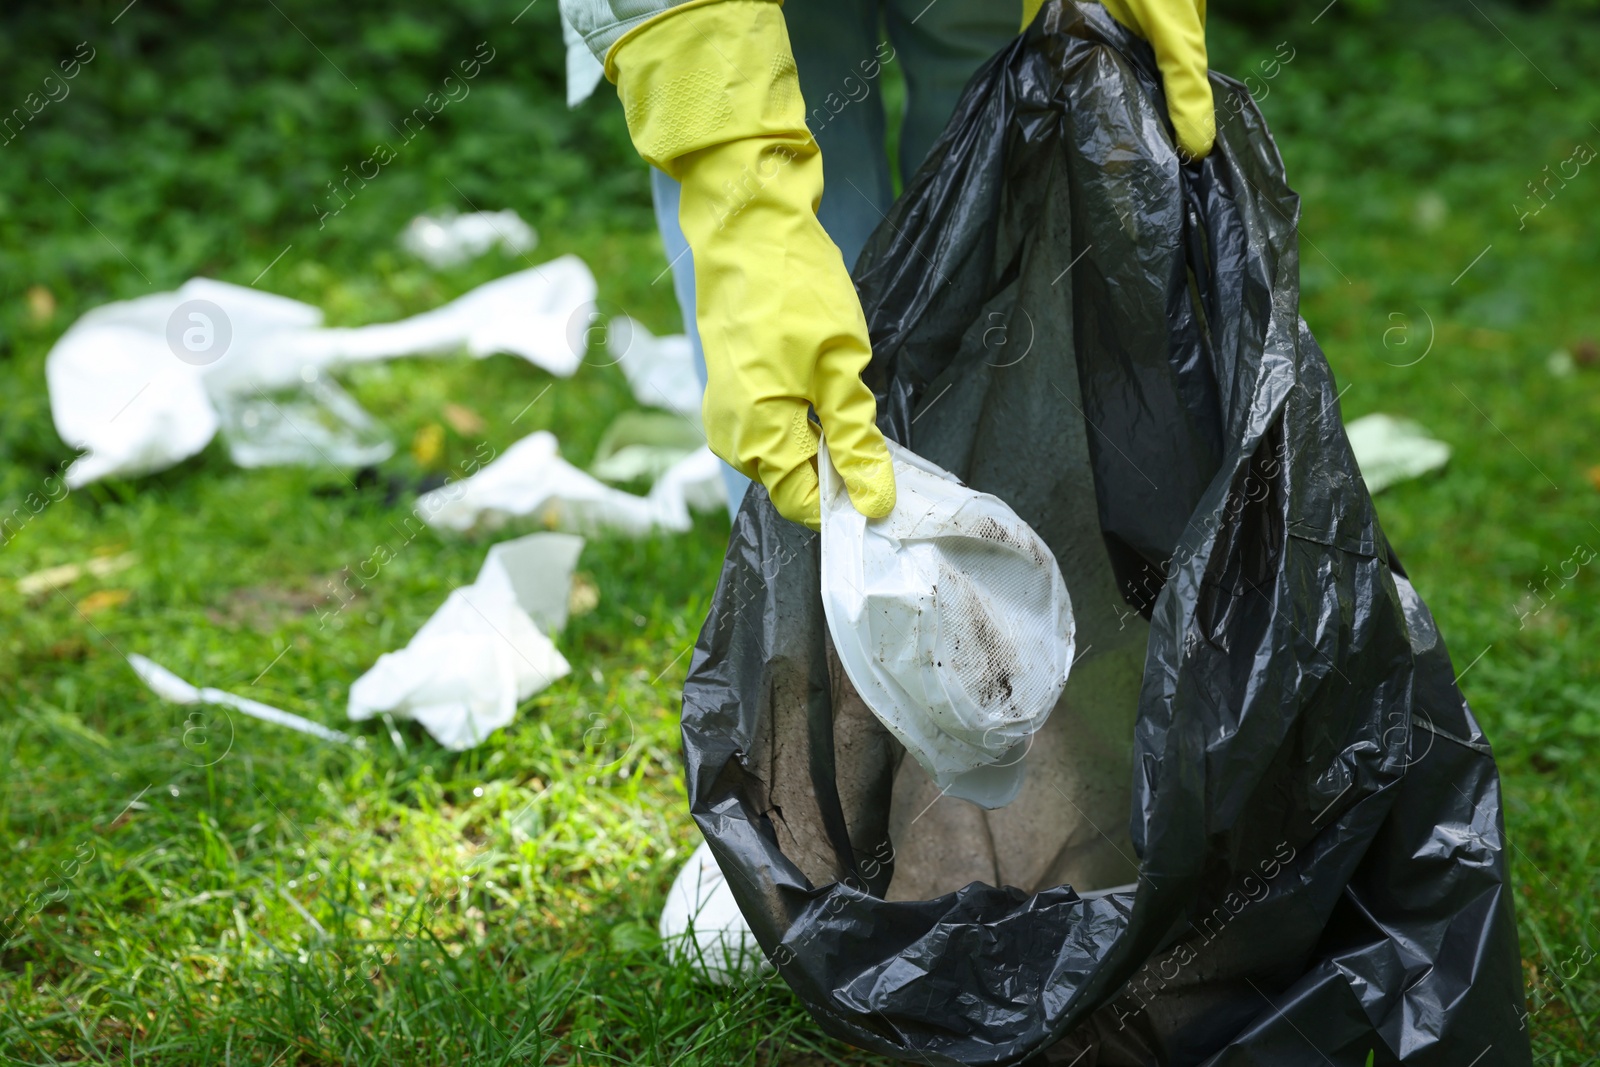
point(940, 45)
point(664, 191)
point(840, 56)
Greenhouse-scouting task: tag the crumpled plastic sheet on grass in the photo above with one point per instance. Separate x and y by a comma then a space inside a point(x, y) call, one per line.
point(484, 651)
point(119, 390)
point(1312, 812)
point(644, 444)
point(316, 422)
point(660, 370)
point(448, 239)
point(529, 480)
point(1390, 450)
point(168, 686)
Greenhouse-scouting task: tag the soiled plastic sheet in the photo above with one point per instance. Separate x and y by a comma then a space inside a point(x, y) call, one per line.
point(1262, 732)
point(952, 622)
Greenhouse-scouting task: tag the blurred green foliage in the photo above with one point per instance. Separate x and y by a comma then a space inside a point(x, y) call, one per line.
point(1267, 14)
point(191, 112)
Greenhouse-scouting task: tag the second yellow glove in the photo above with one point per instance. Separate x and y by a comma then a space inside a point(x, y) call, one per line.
point(1176, 30)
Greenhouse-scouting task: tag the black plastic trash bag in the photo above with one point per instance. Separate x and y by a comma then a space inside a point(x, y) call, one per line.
point(1267, 738)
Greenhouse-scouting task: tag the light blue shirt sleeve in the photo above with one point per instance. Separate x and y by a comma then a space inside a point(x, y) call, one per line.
point(600, 23)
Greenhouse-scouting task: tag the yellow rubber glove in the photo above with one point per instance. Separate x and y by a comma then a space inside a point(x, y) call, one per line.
point(712, 98)
point(1176, 30)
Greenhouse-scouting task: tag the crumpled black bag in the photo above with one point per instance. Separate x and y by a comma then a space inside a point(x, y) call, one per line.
point(1316, 813)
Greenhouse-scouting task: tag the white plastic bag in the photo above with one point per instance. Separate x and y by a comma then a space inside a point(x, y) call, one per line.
point(951, 619)
point(530, 479)
point(700, 906)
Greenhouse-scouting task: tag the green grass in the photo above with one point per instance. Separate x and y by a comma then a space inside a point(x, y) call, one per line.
point(214, 890)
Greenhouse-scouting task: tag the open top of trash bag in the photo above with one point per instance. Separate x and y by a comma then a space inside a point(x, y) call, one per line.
point(1263, 733)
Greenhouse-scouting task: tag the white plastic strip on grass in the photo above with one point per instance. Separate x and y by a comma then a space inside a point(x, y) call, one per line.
point(170, 687)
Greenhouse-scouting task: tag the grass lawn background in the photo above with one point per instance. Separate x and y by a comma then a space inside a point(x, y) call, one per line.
point(292, 902)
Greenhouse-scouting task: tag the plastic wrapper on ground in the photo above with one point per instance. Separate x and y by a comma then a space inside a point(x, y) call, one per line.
point(531, 481)
point(1390, 450)
point(484, 651)
point(169, 687)
point(701, 924)
point(660, 370)
point(644, 445)
point(142, 384)
point(1262, 733)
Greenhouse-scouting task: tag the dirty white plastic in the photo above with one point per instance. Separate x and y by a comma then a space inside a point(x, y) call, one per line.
point(700, 905)
point(951, 619)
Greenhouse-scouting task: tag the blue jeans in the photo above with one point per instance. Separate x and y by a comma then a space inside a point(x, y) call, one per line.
point(938, 45)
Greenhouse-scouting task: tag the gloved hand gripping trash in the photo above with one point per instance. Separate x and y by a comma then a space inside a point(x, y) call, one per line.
point(712, 98)
point(952, 621)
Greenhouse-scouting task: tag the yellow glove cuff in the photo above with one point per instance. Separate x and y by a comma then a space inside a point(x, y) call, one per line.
point(705, 74)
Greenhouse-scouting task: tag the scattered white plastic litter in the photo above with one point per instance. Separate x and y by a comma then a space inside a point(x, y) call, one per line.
point(1390, 450)
point(318, 422)
point(951, 619)
point(136, 383)
point(660, 370)
point(700, 903)
point(530, 480)
point(448, 239)
point(484, 651)
point(528, 314)
point(169, 686)
point(644, 444)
